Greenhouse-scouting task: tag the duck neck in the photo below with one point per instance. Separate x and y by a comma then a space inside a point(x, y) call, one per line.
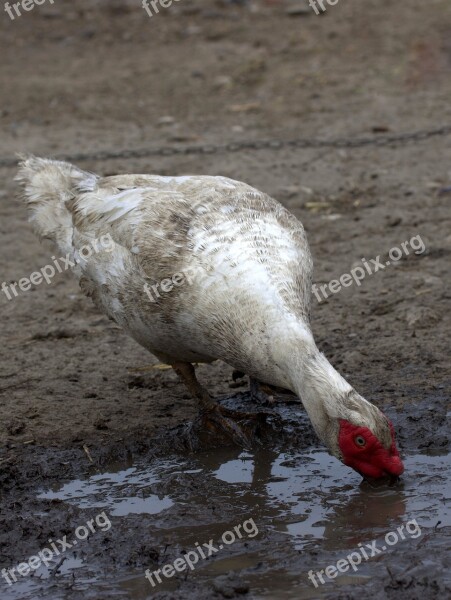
point(321, 389)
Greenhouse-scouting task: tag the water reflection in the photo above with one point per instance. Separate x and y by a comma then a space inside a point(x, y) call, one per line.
point(125, 492)
point(309, 497)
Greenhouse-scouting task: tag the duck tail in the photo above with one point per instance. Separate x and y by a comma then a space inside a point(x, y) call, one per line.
point(46, 187)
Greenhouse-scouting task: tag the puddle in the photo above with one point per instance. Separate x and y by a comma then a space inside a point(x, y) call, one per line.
point(115, 491)
point(303, 503)
point(25, 587)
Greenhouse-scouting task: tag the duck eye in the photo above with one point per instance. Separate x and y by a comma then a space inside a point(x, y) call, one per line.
point(360, 441)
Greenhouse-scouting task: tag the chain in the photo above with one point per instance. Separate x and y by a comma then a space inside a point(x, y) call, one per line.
point(268, 144)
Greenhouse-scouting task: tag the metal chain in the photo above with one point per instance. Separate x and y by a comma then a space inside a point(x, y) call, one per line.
point(269, 144)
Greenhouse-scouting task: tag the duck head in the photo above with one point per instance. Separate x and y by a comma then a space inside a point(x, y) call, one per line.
point(372, 455)
point(354, 430)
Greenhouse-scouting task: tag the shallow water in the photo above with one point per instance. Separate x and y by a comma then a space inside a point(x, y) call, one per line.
point(115, 491)
point(284, 483)
point(316, 503)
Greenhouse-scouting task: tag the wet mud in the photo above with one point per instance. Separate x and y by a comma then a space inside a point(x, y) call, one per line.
point(308, 512)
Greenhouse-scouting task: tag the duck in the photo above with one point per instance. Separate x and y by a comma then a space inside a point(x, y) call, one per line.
point(201, 268)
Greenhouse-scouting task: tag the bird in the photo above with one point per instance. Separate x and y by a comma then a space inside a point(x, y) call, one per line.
point(203, 268)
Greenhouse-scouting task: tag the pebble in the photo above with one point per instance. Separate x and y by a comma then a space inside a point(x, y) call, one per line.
point(421, 317)
point(299, 11)
point(166, 120)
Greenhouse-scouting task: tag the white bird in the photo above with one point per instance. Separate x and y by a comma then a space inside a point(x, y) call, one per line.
point(203, 268)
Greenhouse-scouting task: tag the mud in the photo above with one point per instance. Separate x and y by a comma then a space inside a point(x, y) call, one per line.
point(75, 389)
point(309, 511)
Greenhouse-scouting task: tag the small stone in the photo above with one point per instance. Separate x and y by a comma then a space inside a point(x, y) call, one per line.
point(193, 30)
point(394, 221)
point(298, 11)
point(229, 587)
point(222, 81)
point(166, 120)
point(15, 427)
point(421, 317)
point(245, 108)
point(101, 424)
point(380, 129)
point(289, 191)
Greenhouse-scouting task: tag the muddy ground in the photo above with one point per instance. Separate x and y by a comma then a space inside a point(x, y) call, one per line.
point(102, 75)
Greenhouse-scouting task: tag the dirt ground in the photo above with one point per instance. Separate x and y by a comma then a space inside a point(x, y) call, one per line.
point(102, 75)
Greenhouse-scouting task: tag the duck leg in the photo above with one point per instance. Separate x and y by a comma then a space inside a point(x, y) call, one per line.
point(214, 417)
point(261, 393)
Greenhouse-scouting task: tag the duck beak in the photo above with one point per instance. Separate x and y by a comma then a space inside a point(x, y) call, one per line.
point(387, 479)
point(396, 467)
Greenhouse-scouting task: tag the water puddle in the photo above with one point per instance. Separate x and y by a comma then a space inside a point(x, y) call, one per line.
point(25, 588)
point(123, 492)
point(302, 503)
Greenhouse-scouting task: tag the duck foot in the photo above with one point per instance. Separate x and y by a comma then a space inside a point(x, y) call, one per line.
point(239, 427)
point(221, 427)
point(260, 393)
point(218, 422)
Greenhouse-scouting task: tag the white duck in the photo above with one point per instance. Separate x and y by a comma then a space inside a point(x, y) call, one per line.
point(239, 270)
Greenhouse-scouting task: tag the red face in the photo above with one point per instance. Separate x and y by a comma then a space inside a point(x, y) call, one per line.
point(364, 452)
